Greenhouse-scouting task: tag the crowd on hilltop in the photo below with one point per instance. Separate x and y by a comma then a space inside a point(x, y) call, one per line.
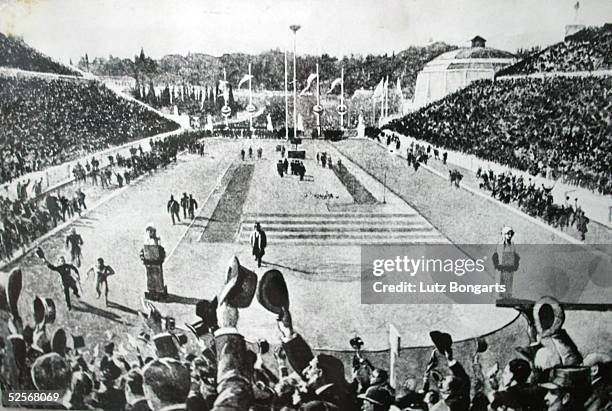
point(45, 122)
point(557, 128)
point(162, 367)
point(587, 50)
point(15, 53)
point(31, 212)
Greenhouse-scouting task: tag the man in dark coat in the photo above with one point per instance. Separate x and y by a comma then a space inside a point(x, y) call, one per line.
point(68, 281)
point(323, 374)
point(185, 205)
point(258, 243)
point(74, 241)
point(174, 208)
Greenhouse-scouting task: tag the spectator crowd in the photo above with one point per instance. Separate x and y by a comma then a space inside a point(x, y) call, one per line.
point(558, 127)
point(32, 213)
point(48, 121)
point(587, 50)
point(535, 201)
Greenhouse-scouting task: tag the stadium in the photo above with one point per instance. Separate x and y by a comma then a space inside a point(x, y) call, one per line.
point(231, 238)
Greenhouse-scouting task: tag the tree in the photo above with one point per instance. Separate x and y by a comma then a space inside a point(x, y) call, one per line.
point(151, 98)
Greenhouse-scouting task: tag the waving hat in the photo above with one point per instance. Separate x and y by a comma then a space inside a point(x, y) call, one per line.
point(44, 310)
point(272, 292)
point(10, 289)
point(548, 316)
point(240, 285)
point(166, 345)
point(442, 341)
point(58, 342)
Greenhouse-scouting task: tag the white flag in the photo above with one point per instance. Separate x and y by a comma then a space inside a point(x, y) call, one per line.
point(224, 90)
point(244, 79)
point(334, 84)
point(378, 91)
point(399, 89)
point(309, 81)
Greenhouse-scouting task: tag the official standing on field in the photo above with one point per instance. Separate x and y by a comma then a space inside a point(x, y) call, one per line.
point(258, 243)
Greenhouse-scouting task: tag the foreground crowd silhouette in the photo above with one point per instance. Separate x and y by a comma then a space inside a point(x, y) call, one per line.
point(557, 127)
point(48, 121)
point(213, 367)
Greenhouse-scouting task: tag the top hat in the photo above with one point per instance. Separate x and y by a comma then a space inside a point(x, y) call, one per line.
point(44, 310)
point(240, 285)
point(78, 341)
point(569, 378)
point(548, 316)
point(58, 342)
point(10, 288)
point(442, 341)
point(165, 343)
point(272, 292)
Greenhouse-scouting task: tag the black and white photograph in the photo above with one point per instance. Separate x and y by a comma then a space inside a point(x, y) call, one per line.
point(312, 205)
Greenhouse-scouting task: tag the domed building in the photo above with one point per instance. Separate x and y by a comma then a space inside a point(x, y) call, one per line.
point(456, 69)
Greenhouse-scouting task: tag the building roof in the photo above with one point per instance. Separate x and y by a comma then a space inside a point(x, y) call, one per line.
point(471, 57)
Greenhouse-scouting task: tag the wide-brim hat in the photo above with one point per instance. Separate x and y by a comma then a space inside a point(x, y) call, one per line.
point(207, 311)
point(442, 341)
point(272, 292)
point(165, 343)
point(548, 326)
point(44, 310)
point(10, 289)
point(575, 378)
point(240, 285)
point(51, 372)
point(377, 395)
point(59, 341)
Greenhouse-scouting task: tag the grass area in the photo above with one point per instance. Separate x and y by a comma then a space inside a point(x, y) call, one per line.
point(360, 194)
point(225, 220)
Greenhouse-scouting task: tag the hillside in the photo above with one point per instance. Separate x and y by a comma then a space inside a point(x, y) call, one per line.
point(268, 68)
point(15, 53)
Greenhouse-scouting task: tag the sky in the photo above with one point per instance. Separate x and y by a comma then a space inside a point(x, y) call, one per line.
point(67, 29)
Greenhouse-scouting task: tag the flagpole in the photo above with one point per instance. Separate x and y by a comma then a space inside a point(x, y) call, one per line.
point(382, 104)
point(318, 104)
point(342, 97)
point(250, 101)
point(286, 101)
point(294, 28)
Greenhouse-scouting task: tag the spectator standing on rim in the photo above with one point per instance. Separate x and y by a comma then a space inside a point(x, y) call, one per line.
point(506, 261)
